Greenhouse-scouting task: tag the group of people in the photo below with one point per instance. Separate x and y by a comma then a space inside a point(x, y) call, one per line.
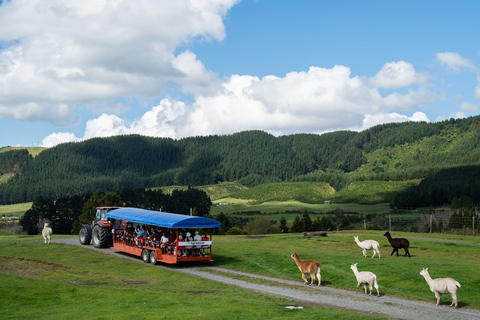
point(166, 239)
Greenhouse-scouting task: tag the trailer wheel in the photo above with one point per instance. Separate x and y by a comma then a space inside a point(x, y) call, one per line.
point(145, 255)
point(84, 236)
point(153, 257)
point(100, 237)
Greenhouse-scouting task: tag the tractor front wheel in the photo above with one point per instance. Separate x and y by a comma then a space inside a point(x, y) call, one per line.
point(85, 236)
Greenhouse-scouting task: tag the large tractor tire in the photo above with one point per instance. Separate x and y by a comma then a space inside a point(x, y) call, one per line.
point(85, 235)
point(146, 255)
point(101, 237)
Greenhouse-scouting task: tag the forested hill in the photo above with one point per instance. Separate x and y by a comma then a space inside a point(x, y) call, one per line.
point(397, 151)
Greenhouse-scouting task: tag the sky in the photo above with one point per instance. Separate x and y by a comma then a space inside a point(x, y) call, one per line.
point(74, 70)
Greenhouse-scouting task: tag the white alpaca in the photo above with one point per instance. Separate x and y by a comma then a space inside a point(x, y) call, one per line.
point(47, 233)
point(365, 277)
point(441, 286)
point(367, 245)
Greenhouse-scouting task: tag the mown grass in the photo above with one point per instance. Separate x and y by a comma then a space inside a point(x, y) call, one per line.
point(56, 281)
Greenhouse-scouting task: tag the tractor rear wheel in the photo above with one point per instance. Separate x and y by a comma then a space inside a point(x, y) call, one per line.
point(101, 237)
point(153, 257)
point(84, 236)
point(145, 255)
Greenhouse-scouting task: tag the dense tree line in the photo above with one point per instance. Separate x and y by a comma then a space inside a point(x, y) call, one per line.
point(67, 214)
point(251, 157)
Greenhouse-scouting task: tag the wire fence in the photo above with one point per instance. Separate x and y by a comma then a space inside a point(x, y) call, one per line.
point(439, 221)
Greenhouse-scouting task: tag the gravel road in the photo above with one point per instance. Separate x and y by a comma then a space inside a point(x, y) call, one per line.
point(391, 307)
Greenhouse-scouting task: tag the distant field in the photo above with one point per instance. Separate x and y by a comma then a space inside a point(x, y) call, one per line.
point(236, 205)
point(34, 151)
point(15, 209)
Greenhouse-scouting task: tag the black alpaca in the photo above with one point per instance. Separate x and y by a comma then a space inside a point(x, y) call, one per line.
point(397, 244)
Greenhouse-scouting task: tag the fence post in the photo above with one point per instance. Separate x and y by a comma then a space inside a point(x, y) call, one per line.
point(364, 225)
point(431, 226)
point(473, 225)
point(390, 222)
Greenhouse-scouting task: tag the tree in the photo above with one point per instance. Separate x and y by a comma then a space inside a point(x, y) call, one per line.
point(297, 225)
point(306, 222)
point(258, 225)
point(283, 225)
point(344, 223)
point(41, 209)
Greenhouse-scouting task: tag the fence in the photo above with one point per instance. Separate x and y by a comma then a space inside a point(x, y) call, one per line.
point(437, 222)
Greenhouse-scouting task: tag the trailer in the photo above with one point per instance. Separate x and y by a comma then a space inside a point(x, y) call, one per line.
point(153, 250)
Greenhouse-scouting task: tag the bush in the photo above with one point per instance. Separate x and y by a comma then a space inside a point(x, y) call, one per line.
point(235, 231)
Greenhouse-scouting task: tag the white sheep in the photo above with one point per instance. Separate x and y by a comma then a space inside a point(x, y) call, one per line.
point(365, 277)
point(441, 286)
point(47, 233)
point(367, 245)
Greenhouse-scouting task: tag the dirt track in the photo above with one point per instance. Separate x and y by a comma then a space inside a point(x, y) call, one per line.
point(321, 296)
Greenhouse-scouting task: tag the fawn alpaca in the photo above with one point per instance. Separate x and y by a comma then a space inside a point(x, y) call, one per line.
point(441, 286)
point(367, 245)
point(308, 267)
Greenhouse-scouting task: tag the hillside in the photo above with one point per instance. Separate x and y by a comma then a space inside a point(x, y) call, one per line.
point(392, 152)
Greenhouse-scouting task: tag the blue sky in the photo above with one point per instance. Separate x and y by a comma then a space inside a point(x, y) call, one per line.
point(74, 70)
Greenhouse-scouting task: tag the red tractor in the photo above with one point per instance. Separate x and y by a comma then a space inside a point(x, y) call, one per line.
point(100, 231)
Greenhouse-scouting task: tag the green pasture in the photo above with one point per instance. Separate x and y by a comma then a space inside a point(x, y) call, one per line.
point(445, 256)
point(16, 210)
point(236, 205)
point(56, 281)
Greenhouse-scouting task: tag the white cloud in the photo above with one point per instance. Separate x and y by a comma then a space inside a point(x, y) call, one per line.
point(457, 115)
point(58, 138)
point(399, 74)
point(454, 61)
point(468, 107)
point(57, 54)
point(316, 101)
point(477, 89)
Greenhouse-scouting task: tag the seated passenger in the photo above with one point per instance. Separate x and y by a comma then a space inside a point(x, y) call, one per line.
point(205, 238)
point(196, 250)
point(189, 238)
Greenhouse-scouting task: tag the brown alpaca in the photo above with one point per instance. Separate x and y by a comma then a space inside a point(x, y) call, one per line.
point(308, 267)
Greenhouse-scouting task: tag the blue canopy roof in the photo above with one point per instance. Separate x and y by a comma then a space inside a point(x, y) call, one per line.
point(162, 219)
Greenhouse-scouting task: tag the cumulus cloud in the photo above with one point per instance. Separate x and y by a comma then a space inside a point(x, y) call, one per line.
point(317, 100)
point(399, 74)
point(454, 61)
point(58, 54)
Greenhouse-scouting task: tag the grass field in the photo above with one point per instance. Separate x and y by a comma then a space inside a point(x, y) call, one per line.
point(56, 281)
point(456, 257)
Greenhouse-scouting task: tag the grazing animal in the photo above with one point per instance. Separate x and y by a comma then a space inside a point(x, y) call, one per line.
point(367, 245)
point(47, 233)
point(365, 277)
point(441, 286)
point(306, 267)
point(398, 243)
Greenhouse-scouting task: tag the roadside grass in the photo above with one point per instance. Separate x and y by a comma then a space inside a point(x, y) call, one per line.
point(397, 276)
point(57, 281)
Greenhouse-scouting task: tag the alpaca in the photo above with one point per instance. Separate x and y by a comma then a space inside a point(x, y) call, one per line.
point(441, 286)
point(308, 266)
point(367, 245)
point(365, 277)
point(398, 243)
point(47, 233)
